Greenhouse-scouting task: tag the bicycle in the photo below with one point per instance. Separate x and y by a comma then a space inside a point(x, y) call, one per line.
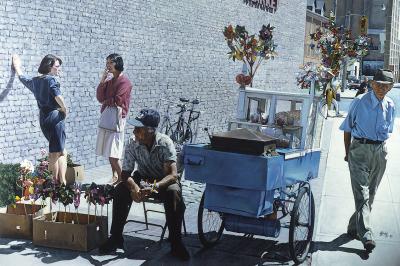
point(181, 131)
point(166, 124)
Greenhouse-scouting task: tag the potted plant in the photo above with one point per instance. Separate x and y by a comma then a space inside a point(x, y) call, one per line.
point(252, 50)
point(75, 172)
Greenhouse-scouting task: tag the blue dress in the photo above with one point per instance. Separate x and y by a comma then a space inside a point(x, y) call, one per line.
point(45, 88)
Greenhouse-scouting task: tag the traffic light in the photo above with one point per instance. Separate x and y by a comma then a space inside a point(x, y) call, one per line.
point(363, 25)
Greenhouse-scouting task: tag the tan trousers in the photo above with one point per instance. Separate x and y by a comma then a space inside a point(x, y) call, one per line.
point(367, 164)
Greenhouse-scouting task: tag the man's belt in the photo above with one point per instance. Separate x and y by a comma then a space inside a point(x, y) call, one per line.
point(368, 141)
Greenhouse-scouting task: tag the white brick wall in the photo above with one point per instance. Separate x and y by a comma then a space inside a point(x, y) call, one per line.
point(164, 42)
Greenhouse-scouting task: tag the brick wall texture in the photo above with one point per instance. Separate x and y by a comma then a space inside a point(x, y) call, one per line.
point(171, 49)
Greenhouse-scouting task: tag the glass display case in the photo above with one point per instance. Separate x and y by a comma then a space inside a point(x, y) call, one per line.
point(289, 117)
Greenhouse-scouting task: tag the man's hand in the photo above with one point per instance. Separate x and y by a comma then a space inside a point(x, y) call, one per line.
point(145, 192)
point(63, 110)
point(136, 195)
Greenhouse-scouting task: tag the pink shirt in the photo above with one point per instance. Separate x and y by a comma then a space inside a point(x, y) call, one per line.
point(116, 91)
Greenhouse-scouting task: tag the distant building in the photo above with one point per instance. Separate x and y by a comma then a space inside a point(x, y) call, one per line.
point(316, 15)
point(383, 18)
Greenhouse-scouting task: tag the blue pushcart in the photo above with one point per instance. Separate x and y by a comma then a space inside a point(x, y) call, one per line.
point(251, 194)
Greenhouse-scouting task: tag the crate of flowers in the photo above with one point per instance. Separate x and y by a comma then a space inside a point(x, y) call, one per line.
point(66, 229)
point(18, 183)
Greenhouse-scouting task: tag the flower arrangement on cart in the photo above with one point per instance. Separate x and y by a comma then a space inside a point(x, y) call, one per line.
point(252, 50)
point(335, 45)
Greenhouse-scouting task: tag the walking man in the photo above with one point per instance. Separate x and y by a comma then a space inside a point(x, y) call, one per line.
point(366, 128)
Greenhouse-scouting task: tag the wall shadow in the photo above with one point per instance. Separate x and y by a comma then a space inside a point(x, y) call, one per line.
point(10, 83)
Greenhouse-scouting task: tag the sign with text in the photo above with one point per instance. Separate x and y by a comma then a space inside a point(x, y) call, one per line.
point(266, 5)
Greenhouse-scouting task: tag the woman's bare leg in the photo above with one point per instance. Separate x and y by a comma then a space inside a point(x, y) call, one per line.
point(53, 165)
point(62, 166)
point(116, 169)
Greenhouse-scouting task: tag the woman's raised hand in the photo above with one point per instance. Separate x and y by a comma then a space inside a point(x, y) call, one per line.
point(105, 75)
point(16, 64)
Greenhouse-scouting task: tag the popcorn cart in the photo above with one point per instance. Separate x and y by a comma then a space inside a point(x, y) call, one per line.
point(258, 173)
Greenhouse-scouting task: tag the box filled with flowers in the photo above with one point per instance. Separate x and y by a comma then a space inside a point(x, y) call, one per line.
point(74, 230)
point(17, 194)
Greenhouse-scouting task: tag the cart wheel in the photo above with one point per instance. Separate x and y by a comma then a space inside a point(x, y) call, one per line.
point(301, 225)
point(210, 225)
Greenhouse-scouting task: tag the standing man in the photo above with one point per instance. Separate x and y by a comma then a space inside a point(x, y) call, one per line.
point(155, 156)
point(369, 122)
point(363, 88)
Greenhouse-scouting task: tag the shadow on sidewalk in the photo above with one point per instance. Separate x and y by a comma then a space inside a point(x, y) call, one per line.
point(230, 250)
point(336, 245)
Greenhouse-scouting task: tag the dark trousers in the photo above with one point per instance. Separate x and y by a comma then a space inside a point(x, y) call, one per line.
point(173, 205)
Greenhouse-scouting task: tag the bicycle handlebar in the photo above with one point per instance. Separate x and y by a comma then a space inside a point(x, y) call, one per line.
point(195, 101)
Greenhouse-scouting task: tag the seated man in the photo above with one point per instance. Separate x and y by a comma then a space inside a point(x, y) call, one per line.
point(155, 156)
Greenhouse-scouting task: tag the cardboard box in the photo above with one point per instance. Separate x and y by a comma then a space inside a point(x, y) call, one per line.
point(75, 173)
point(16, 223)
point(69, 230)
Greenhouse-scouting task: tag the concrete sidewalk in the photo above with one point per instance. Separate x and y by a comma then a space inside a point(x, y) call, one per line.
point(332, 247)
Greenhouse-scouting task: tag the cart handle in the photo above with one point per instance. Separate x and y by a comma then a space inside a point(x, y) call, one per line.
point(194, 160)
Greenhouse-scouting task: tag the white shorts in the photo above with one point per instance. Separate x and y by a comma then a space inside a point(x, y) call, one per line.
point(110, 143)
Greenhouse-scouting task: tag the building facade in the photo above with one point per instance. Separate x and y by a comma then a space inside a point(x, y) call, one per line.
point(383, 30)
point(316, 16)
point(171, 49)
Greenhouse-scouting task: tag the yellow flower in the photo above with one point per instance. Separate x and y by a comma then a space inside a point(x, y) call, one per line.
point(31, 190)
point(17, 198)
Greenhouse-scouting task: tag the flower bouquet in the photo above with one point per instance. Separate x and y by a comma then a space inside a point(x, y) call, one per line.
point(311, 73)
point(250, 49)
point(75, 172)
point(336, 45)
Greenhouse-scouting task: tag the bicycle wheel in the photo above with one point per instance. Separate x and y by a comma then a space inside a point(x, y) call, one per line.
point(323, 109)
point(210, 225)
point(301, 225)
point(165, 127)
point(181, 134)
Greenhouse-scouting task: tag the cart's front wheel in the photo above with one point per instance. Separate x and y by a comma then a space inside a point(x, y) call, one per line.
point(210, 225)
point(301, 225)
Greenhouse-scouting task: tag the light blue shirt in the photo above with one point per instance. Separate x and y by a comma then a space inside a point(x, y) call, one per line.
point(370, 118)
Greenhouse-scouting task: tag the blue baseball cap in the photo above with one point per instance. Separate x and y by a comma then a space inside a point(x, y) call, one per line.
point(146, 118)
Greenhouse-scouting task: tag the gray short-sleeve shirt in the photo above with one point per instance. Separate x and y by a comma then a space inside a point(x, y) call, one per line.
point(150, 164)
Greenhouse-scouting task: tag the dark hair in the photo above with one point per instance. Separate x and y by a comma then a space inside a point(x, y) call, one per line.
point(47, 63)
point(117, 59)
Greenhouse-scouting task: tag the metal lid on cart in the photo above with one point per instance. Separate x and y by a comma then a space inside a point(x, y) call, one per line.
point(245, 134)
point(242, 140)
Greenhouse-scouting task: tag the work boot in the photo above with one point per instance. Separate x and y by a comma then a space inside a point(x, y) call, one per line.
point(111, 245)
point(179, 250)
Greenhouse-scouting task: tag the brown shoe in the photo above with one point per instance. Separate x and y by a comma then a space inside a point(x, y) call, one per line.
point(369, 245)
